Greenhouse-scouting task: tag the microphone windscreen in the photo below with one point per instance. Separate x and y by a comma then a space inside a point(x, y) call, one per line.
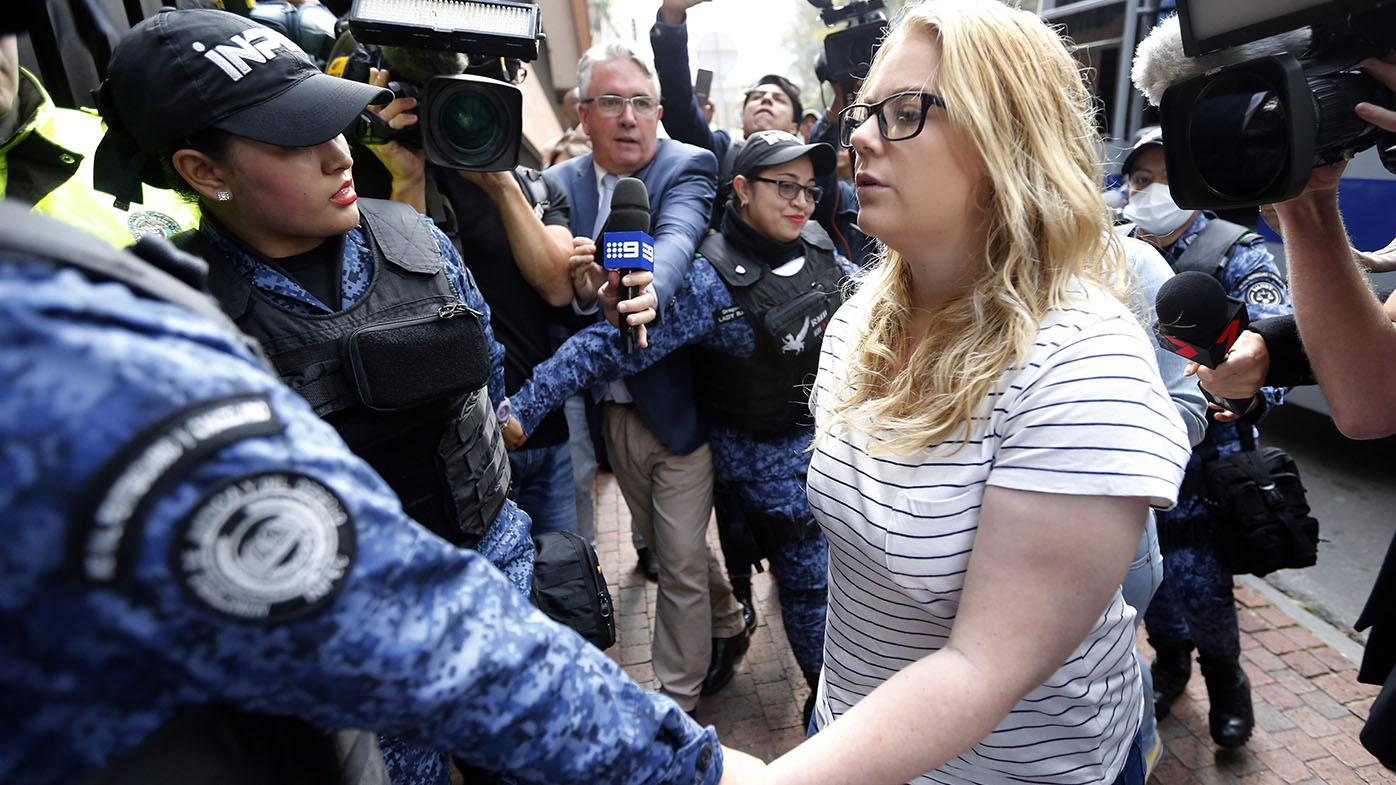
point(1159, 62)
point(1192, 306)
point(630, 207)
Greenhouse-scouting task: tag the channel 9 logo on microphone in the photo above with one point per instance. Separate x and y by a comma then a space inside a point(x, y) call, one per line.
point(628, 251)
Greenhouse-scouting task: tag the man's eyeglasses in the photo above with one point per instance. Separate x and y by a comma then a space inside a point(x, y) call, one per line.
point(899, 116)
point(788, 190)
point(613, 105)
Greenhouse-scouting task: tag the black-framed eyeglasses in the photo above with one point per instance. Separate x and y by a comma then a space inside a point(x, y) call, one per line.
point(788, 190)
point(899, 116)
point(614, 105)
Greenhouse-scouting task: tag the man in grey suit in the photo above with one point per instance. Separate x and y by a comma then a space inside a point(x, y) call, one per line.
point(656, 443)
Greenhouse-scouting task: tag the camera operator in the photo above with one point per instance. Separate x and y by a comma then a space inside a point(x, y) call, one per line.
point(511, 230)
point(1349, 338)
point(773, 103)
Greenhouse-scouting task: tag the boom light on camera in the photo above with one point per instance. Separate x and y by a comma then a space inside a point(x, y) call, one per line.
point(482, 27)
point(1253, 107)
point(470, 121)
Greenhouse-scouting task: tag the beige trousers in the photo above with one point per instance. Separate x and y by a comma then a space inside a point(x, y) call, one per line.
point(670, 497)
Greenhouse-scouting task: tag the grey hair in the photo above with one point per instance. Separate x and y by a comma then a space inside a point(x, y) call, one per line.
point(612, 50)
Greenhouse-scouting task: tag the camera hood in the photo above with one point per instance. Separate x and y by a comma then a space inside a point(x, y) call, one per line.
point(1243, 135)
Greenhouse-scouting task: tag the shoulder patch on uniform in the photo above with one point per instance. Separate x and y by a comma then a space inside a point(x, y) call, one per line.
point(118, 496)
point(725, 315)
point(151, 222)
point(265, 547)
point(1262, 288)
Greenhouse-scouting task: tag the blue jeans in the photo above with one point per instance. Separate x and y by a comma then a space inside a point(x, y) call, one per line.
point(543, 478)
point(583, 457)
point(1141, 583)
point(1133, 772)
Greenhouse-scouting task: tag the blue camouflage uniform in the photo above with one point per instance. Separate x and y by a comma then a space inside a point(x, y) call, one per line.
point(767, 474)
point(137, 442)
point(507, 543)
point(1195, 601)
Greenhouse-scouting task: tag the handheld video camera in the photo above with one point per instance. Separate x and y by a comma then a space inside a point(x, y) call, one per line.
point(472, 120)
point(849, 52)
point(1249, 133)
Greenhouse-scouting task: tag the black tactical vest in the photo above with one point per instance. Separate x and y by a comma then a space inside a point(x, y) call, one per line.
point(371, 371)
point(768, 393)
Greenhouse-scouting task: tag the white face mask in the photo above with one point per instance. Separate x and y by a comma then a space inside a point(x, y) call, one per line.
point(1154, 210)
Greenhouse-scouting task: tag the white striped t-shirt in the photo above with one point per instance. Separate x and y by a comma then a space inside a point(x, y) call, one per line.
point(1085, 414)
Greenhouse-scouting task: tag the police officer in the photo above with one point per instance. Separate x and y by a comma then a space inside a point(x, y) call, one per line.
point(202, 538)
point(46, 161)
point(1194, 606)
point(754, 304)
point(363, 307)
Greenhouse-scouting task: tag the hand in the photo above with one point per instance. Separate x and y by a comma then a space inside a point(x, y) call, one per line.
point(1385, 73)
point(1243, 373)
point(490, 182)
point(587, 275)
point(671, 12)
point(708, 109)
point(513, 432)
point(738, 768)
point(640, 310)
point(405, 164)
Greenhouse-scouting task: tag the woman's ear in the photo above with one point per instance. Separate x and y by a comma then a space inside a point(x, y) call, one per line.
point(742, 188)
point(202, 174)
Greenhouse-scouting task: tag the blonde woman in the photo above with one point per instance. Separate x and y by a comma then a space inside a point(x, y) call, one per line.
point(991, 429)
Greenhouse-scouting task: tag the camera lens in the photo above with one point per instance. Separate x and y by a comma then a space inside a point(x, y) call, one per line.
point(1239, 135)
point(473, 125)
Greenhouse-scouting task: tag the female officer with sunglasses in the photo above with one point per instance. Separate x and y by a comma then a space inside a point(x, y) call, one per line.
point(754, 305)
point(991, 428)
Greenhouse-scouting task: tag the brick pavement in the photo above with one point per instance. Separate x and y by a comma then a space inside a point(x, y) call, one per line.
point(1309, 706)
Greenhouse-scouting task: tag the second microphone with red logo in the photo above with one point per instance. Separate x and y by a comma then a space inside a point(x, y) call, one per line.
point(1197, 320)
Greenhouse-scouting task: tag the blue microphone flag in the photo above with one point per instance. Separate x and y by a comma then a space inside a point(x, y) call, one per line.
point(627, 251)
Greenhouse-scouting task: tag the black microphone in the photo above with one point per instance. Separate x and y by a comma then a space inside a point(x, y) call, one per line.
point(625, 244)
point(1197, 320)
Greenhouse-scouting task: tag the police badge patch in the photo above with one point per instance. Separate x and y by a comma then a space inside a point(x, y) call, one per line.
point(149, 222)
point(266, 547)
point(1262, 288)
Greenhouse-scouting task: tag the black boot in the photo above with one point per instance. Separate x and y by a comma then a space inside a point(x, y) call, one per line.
point(812, 679)
point(1171, 668)
point(741, 589)
point(727, 652)
point(1230, 716)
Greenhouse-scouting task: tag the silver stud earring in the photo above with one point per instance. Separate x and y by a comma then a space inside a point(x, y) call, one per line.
point(224, 196)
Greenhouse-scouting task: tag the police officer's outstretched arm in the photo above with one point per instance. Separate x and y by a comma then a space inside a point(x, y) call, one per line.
point(202, 536)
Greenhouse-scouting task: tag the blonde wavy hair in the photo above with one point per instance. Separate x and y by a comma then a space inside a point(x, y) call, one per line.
point(1014, 97)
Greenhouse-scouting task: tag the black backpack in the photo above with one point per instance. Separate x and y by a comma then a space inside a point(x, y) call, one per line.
point(570, 589)
point(1260, 518)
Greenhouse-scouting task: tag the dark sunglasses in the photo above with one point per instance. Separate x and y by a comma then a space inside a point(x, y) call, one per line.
point(899, 116)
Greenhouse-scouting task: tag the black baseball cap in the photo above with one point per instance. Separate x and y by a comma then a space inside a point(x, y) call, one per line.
point(184, 71)
point(786, 86)
point(769, 148)
point(1149, 137)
